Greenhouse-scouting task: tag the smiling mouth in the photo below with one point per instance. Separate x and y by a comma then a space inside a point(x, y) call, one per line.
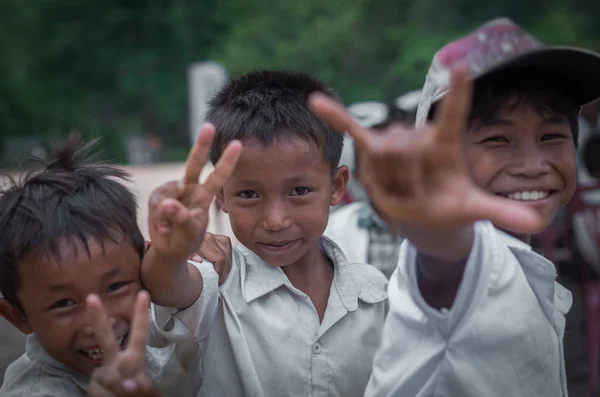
point(95, 354)
point(529, 195)
point(279, 245)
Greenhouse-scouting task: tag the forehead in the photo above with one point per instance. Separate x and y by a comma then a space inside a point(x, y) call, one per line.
point(74, 262)
point(282, 158)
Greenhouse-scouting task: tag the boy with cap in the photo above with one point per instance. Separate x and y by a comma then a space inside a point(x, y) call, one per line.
point(473, 310)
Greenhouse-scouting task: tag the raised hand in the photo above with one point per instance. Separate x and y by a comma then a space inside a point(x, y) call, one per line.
point(418, 176)
point(123, 373)
point(178, 214)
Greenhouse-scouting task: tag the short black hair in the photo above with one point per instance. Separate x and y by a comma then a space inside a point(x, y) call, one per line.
point(269, 105)
point(590, 154)
point(71, 196)
point(546, 92)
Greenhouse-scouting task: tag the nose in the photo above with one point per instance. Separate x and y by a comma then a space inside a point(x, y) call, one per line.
point(529, 161)
point(275, 216)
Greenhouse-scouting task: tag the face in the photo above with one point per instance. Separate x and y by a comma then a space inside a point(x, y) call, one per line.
point(525, 156)
point(53, 298)
point(278, 199)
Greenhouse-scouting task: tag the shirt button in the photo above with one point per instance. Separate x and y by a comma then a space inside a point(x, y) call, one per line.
point(317, 348)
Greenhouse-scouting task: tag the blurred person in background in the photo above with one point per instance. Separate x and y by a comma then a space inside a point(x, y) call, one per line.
point(356, 228)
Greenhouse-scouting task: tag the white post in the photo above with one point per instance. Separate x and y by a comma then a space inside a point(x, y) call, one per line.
point(204, 81)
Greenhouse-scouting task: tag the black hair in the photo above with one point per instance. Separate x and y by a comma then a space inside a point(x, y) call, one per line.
point(590, 154)
point(72, 196)
point(546, 92)
point(270, 105)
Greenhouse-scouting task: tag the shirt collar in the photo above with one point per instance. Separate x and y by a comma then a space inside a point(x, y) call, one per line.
point(37, 353)
point(260, 278)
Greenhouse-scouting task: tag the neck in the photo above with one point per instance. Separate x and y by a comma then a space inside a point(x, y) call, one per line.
point(311, 271)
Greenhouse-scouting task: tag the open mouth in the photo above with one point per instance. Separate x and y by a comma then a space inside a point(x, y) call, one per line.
point(529, 195)
point(95, 354)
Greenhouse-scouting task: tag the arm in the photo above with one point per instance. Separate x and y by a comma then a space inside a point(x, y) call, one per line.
point(171, 282)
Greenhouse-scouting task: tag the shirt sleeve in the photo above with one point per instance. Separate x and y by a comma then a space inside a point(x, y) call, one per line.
point(194, 322)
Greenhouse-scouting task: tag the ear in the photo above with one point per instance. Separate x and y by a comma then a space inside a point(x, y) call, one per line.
point(14, 316)
point(340, 181)
point(220, 197)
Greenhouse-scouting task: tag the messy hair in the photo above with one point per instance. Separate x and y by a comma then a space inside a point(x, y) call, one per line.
point(72, 197)
point(265, 106)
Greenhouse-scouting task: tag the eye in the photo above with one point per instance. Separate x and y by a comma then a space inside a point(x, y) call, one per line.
point(300, 191)
point(117, 286)
point(63, 304)
point(495, 139)
point(552, 137)
point(248, 194)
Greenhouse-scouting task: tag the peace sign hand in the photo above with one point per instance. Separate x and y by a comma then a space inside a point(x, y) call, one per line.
point(123, 373)
point(418, 176)
point(178, 214)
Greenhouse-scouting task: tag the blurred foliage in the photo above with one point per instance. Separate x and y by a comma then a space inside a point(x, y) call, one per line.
point(113, 68)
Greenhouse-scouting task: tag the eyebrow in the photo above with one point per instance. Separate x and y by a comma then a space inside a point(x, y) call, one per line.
point(67, 286)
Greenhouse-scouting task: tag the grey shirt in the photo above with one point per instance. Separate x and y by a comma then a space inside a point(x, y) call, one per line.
point(37, 374)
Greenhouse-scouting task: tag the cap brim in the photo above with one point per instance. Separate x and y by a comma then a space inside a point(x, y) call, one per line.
point(579, 67)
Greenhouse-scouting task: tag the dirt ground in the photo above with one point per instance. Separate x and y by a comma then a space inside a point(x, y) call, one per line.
point(174, 383)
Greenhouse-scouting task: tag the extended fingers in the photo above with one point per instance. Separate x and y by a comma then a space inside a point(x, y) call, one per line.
point(199, 154)
point(223, 169)
point(138, 334)
point(103, 330)
point(337, 117)
point(453, 116)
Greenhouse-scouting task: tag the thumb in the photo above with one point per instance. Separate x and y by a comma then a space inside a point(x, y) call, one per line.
point(504, 213)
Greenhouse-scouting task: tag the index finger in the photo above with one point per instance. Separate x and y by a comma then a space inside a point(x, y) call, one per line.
point(451, 121)
point(338, 118)
point(103, 331)
point(138, 333)
point(224, 168)
point(198, 155)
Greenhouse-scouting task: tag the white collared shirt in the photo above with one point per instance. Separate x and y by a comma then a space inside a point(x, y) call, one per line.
point(502, 336)
point(257, 335)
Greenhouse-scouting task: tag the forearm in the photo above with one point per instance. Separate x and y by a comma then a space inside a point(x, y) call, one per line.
point(171, 283)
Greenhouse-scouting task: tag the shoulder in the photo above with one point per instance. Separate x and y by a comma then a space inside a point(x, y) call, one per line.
point(27, 378)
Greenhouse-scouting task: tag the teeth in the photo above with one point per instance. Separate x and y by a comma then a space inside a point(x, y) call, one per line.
point(529, 195)
point(94, 354)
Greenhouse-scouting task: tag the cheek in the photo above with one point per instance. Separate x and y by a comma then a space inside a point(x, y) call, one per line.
point(482, 165)
point(243, 220)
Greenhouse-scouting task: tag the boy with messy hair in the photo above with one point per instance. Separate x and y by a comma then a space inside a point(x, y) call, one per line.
point(473, 310)
point(69, 234)
point(293, 317)
point(70, 259)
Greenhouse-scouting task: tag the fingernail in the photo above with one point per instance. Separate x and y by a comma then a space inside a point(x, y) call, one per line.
point(129, 385)
point(170, 208)
point(197, 258)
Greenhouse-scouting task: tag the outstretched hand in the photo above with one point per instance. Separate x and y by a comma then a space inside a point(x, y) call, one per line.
point(418, 176)
point(123, 373)
point(178, 215)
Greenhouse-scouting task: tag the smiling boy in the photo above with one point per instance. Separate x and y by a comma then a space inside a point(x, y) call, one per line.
point(294, 317)
point(68, 230)
point(474, 311)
